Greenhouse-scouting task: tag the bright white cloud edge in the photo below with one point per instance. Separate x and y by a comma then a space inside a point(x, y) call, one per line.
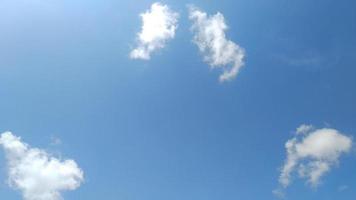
point(37, 174)
point(218, 51)
point(311, 153)
point(159, 25)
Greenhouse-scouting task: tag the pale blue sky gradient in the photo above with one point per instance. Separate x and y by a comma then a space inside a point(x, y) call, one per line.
point(166, 129)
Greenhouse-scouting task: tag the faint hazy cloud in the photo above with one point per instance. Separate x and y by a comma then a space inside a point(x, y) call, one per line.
point(303, 58)
point(158, 26)
point(279, 193)
point(38, 175)
point(308, 60)
point(313, 153)
point(55, 141)
point(343, 188)
point(218, 51)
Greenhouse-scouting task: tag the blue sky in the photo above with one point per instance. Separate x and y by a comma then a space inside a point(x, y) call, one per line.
point(166, 128)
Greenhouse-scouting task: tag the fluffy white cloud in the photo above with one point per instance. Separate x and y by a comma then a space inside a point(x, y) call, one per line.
point(158, 26)
point(218, 52)
point(313, 153)
point(38, 175)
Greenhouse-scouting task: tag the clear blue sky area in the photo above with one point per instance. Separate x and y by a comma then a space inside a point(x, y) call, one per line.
point(167, 129)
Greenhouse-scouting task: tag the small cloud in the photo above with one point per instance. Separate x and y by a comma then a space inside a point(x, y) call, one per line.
point(306, 59)
point(55, 141)
point(313, 153)
point(309, 60)
point(304, 129)
point(342, 188)
point(279, 193)
point(218, 51)
point(38, 175)
point(158, 26)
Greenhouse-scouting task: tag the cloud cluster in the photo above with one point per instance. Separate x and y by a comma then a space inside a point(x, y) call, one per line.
point(158, 26)
point(160, 23)
point(312, 153)
point(38, 175)
point(218, 51)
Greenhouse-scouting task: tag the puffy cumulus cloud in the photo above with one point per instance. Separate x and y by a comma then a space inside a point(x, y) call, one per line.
point(158, 26)
point(313, 153)
point(38, 175)
point(218, 52)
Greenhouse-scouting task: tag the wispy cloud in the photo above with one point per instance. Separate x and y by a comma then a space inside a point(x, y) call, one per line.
point(313, 153)
point(304, 128)
point(218, 51)
point(55, 141)
point(38, 175)
point(342, 188)
point(158, 26)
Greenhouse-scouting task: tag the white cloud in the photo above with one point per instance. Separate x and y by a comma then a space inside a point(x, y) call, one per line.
point(38, 175)
point(304, 128)
point(158, 26)
point(313, 153)
point(218, 52)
